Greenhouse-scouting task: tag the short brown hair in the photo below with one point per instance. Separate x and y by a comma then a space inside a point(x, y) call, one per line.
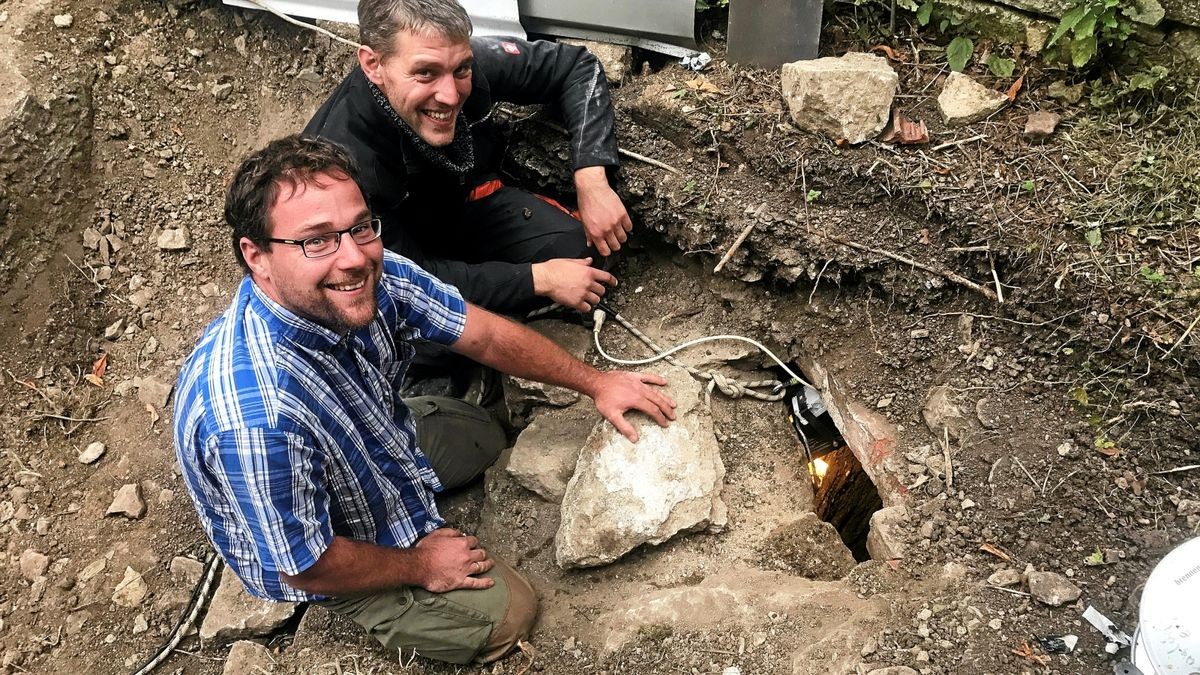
point(380, 21)
point(294, 159)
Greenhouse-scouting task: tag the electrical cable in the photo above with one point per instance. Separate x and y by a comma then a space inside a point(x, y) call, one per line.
point(716, 380)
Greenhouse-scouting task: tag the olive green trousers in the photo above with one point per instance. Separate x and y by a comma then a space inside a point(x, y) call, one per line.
point(464, 626)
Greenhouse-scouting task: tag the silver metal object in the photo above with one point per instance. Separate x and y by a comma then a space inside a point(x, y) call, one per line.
point(1167, 639)
point(489, 17)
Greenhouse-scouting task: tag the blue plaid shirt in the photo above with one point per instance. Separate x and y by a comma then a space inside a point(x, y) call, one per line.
point(289, 434)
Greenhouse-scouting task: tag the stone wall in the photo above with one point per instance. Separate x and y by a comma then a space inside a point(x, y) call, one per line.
point(1031, 22)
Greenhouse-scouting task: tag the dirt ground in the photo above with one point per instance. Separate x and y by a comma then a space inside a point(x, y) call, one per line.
point(1071, 394)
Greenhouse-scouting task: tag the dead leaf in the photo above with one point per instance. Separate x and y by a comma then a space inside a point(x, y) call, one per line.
point(154, 417)
point(701, 84)
point(100, 365)
point(889, 52)
point(925, 236)
point(996, 551)
point(1026, 652)
point(904, 131)
point(98, 381)
point(1015, 88)
point(1108, 451)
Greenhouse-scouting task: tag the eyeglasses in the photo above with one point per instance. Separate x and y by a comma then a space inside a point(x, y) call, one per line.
point(321, 245)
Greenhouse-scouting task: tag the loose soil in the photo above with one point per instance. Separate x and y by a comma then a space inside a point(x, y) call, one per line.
point(1073, 392)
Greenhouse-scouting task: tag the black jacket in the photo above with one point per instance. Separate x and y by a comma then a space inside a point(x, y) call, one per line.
point(419, 203)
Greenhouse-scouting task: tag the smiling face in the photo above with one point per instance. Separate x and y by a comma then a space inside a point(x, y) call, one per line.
point(426, 78)
point(336, 291)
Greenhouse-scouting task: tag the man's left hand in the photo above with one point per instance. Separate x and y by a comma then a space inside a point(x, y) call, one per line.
point(605, 220)
point(618, 392)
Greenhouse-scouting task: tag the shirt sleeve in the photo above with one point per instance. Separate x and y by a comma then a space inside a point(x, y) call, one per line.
point(422, 302)
point(276, 484)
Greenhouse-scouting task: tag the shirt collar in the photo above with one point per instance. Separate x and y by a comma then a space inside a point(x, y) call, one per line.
point(287, 323)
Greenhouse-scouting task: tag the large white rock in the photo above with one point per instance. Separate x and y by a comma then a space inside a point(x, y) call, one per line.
point(544, 456)
point(846, 97)
point(965, 101)
point(234, 614)
point(624, 495)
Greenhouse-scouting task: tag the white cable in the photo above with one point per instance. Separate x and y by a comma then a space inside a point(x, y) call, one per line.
point(599, 315)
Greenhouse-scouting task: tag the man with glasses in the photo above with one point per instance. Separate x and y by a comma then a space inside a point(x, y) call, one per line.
point(312, 478)
point(415, 116)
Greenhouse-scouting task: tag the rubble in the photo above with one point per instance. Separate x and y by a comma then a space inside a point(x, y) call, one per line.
point(127, 502)
point(544, 455)
point(93, 452)
point(33, 564)
point(248, 658)
point(886, 538)
point(234, 614)
point(617, 60)
point(132, 589)
point(1052, 589)
point(847, 97)
point(964, 101)
point(1041, 125)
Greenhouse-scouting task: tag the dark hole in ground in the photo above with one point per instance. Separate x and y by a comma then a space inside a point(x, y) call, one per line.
point(843, 494)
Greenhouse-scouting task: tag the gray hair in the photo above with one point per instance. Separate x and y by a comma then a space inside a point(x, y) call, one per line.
point(380, 21)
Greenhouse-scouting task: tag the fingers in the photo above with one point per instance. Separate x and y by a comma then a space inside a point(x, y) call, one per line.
point(476, 583)
point(653, 378)
point(602, 247)
point(654, 411)
point(624, 427)
point(480, 567)
point(626, 223)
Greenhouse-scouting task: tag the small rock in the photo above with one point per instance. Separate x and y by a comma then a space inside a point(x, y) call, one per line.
point(918, 333)
point(128, 502)
point(965, 101)
point(152, 392)
point(967, 504)
point(234, 614)
point(139, 624)
point(220, 92)
point(91, 570)
point(1064, 92)
point(91, 238)
point(995, 624)
point(114, 329)
point(176, 239)
point(63, 20)
point(248, 658)
point(94, 451)
point(885, 539)
point(132, 590)
point(885, 401)
point(893, 670)
point(33, 564)
point(869, 647)
point(209, 290)
point(1052, 589)
point(118, 72)
point(1188, 507)
point(847, 97)
point(1005, 577)
point(101, 17)
point(186, 569)
point(1041, 125)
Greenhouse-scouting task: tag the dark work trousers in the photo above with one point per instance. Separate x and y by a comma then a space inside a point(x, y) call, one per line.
point(515, 225)
point(508, 225)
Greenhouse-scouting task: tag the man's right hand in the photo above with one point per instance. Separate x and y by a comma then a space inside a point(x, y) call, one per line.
point(451, 560)
point(571, 282)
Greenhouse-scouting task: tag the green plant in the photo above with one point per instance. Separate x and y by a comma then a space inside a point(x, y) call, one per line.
point(1090, 26)
point(1153, 277)
point(958, 53)
point(1000, 66)
point(812, 196)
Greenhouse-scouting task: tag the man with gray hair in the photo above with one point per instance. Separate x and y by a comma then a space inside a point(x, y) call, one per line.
point(414, 115)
